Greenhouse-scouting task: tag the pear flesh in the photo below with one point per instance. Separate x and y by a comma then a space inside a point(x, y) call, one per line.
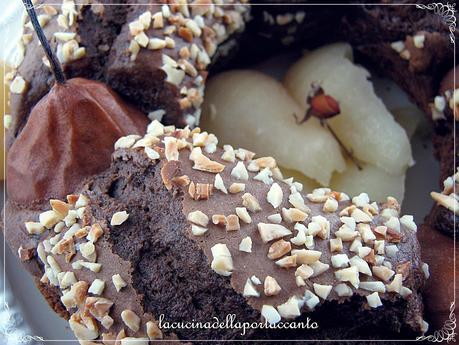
point(251, 110)
point(365, 126)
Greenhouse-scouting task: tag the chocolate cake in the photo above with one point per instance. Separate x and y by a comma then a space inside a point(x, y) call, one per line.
point(194, 231)
point(176, 229)
point(163, 72)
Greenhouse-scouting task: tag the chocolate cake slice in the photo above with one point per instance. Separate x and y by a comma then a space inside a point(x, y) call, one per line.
point(155, 55)
point(161, 57)
point(179, 230)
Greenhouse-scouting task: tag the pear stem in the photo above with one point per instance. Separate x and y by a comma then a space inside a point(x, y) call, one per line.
point(54, 62)
point(348, 152)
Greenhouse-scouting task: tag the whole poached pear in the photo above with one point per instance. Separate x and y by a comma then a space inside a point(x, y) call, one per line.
point(69, 136)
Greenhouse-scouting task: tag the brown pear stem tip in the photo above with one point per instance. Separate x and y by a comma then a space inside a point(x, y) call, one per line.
point(55, 65)
point(323, 107)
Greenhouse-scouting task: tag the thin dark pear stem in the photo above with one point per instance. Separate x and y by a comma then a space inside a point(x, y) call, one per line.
point(345, 149)
point(55, 65)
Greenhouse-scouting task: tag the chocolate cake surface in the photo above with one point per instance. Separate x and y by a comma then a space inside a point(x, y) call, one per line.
point(164, 73)
point(138, 219)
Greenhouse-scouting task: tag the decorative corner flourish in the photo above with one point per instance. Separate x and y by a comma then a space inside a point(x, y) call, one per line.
point(447, 12)
point(447, 332)
point(9, 329)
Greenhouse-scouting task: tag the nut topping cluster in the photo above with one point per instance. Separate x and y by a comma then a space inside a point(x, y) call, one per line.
point(448, 198)
point(72, 243)
point(68, 47)
point(353, 242)
point(197, 28)
point(361, 236)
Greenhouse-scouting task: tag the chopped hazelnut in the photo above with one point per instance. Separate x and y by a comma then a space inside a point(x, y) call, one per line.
point(340, 260)
point(370, 258)
point(270, 314)
point(219, 219)
point(67, 280)
point(306, 256)
point(119, 218)
point(250, 290)
point(271, 287)
point(228, 154)
point(373, 300)
point(447, 201)
point(240, 172)
point(18, 85)
point(269, 232)
point(97, 287)
point(197, 230)
point(408, 222)
point(264, 176)
point(342, 290)
point(361, 265)
point(246, 245)
point(25, 254)
point(181, 181)
point(404, 269)
point(152, 154)
point(360, 216)
point(171, 149)
point(83, 328)
point(275, 218)
point(350, 274)
point(94, 267)
point(275, 195)
point(287, 261)
point(34, 228)
point(290, 309)
point(118, 282)
point(218, 184)
point(203, 163)
point(243, 215)
point(293, 215)
point(322, 290)
point(372, 286)
point(393, 236)
point(336, 245)
point(236, 188)
point(249, 201)
point(49, 218)
point(266, 162)
point(76, 295)
point(222, 262)
point(130, 319)
point(232, 223)
point(298, 202)
point(425, 270)
point(382, 272)
point(304, 271)
point(200, 191)
point(126, 142)
point(88, 251)
point(330, 205)
point(279, 249)
point(95, 233)
point(59, 207)
point(153, 331)
point(199, 218)
point(396, 284)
